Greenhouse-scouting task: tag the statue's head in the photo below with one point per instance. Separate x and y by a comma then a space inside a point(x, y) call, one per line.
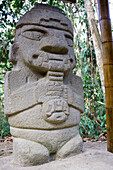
point(44, 40)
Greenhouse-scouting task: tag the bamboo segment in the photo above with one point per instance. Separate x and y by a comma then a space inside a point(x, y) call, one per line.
point(108, 74)
point(107, 47)
point(107, 50)
point(109, 112)
point(109, 98)
point(105, 24)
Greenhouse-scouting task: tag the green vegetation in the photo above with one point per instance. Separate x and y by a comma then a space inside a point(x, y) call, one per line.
point(93, 120)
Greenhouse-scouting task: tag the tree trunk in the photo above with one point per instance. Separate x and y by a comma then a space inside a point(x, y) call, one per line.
point(96, 39)
point(107, 46)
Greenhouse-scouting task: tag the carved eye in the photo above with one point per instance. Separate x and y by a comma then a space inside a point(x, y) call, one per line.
point(69, 40)
point(33, 34)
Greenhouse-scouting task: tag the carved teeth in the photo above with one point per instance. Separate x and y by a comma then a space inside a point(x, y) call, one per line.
point(55, 76)
point(53, 73)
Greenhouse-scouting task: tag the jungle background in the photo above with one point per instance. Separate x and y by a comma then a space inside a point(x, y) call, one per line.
point(87, 47)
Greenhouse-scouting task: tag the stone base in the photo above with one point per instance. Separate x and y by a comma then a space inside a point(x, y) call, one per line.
point(27, 153)
point(93, 157)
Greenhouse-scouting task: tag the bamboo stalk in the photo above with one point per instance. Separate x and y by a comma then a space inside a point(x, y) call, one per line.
point(107, 47)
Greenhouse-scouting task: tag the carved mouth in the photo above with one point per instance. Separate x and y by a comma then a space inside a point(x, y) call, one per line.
point(56, 58)
point(55, 111)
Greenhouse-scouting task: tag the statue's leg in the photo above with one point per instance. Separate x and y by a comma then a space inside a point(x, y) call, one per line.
point(72, 147)
point(27, 153)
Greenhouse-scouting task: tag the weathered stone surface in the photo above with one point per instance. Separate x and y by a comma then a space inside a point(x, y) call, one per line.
point(51, 139)
point(29, 153)
point(43, 99)
point(74, 146)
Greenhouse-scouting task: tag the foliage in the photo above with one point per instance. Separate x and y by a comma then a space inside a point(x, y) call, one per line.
point(4, 126)
point(93, 120)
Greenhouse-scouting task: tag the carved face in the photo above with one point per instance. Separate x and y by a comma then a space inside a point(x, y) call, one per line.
point(48, 47)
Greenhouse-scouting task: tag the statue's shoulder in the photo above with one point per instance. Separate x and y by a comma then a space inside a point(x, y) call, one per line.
point(75, 80)
point(14, 80)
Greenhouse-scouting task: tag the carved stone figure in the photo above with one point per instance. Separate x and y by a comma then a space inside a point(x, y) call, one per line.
point(43, 99)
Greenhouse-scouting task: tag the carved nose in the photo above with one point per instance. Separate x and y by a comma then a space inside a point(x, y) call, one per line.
point(54, 45)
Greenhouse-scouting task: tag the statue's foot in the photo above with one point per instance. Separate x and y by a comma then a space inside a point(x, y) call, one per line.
point(72, 147)
point(27, 153)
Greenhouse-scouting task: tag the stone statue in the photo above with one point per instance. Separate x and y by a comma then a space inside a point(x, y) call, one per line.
point(43, 99)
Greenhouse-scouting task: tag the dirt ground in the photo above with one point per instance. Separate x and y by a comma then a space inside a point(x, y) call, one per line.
point(94, 157)
point(6, 149)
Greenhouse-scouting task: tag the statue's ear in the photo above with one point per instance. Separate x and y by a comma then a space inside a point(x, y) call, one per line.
point(13, 53)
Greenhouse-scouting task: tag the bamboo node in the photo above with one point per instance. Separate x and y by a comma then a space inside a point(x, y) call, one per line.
point(105, 18)
point(106, 41)
point(109, 107)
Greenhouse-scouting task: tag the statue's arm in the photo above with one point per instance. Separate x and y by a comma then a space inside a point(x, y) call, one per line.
point(18, 94)
point(75, 93)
